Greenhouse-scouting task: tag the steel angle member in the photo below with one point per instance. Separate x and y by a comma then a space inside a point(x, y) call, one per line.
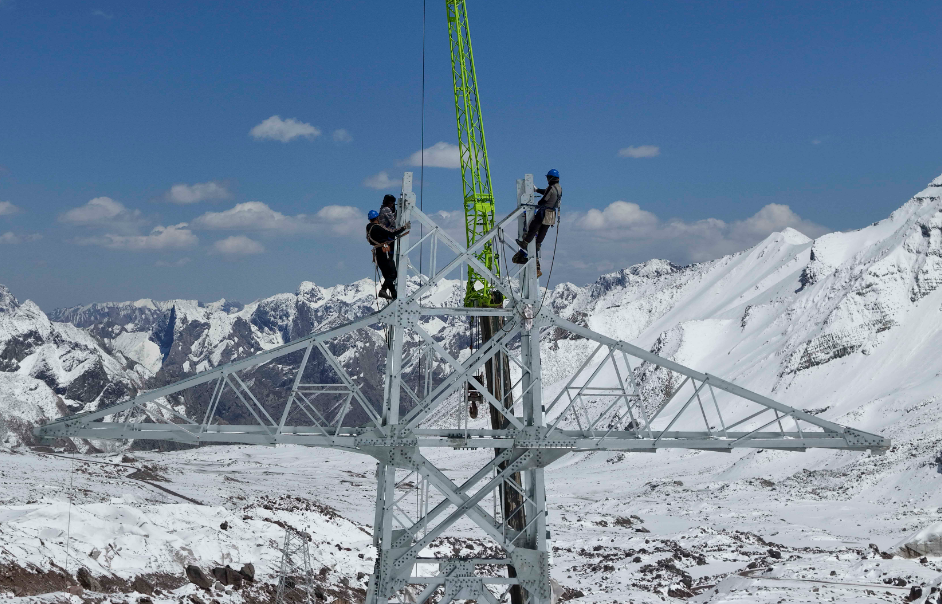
point(532, 566)
point(540, 458)
point(535, 437)
point(859, 438)
point(399, 457)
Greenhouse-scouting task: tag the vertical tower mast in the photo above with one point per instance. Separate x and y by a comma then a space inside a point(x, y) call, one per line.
point(472, 148)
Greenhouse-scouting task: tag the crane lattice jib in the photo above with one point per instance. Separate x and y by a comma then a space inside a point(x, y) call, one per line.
point(475, 171)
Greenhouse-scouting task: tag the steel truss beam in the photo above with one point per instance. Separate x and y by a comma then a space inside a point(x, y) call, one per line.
point(622, 398)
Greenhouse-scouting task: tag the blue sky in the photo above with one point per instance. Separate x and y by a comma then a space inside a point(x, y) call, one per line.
point(682, 130)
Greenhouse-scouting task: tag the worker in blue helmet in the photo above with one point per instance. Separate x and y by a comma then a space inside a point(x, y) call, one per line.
point(383, 240)
point(544, 217)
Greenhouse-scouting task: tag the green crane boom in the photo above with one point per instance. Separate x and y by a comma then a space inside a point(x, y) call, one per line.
point(472, 148)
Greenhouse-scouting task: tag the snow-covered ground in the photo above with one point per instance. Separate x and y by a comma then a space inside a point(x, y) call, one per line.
point(797, 535)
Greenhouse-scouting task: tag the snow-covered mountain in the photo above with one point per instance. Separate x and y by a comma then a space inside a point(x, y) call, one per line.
point(848, 326)
point(48, 369)
point(799, 318)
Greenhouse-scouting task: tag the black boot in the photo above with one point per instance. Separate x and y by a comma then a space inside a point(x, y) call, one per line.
point(522, 243)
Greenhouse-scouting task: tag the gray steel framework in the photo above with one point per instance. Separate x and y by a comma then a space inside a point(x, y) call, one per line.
point(622, 398)
point(295, 566)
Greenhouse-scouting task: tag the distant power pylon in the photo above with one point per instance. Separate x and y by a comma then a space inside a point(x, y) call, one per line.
point(620, 398)
point(295, 566)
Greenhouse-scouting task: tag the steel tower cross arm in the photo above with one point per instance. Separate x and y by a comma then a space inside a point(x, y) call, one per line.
point(472, 151)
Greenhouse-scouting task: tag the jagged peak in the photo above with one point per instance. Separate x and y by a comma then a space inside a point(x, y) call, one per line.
point(145, 303)
point(226, 306)
point(653, 268)
point(8, 301)
point(307, 287)
point(937, 182)
point(794, 236)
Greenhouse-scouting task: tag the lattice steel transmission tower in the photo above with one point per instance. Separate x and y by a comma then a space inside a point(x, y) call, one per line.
point(295, 566)
point(622, 398)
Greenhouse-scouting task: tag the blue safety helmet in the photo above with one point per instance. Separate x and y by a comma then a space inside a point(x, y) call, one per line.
point(553, 172)
point(373, 215)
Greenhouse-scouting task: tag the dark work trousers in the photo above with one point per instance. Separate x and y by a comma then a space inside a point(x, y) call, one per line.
point(387, 266)
point(537, 229)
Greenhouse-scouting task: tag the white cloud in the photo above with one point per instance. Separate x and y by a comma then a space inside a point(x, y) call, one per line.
point(382, 181)
point(439, 155)
point(102, 14)
point(618, 214)
point(258, 216)
point(103, 212)
point(248, 216)
point(7, 208)
point(341, 220)
point(275, 128)
point(772, 218)
point(10, 238)
point(623, 233)
point(176, 236)
point(640, 151)
point(238, 245)
point(201, 191)
point(342, 136)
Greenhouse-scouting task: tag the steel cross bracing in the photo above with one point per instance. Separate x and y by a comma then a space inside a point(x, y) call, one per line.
point(622, 398)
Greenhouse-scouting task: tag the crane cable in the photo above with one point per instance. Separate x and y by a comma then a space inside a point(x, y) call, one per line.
point(552, 263)
point(422, 145)
point(68, 539)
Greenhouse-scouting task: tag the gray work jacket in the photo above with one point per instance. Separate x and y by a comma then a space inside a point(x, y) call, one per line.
point(551, 196)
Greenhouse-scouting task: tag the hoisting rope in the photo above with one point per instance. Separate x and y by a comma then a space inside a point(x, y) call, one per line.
point(549, 276)
point(422, 146)
point(68, 538)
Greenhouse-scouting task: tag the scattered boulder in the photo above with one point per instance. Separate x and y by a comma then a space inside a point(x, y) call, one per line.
point(915, 592)
point(228, 576)
point(86, 580)
point(195, 599)
point(224, 526)
point(774, 553)
point(75, 590)
point(925, 542)
point(876, 550)
point(94, 553)
point(144, 600)
point(141, 585)
point(248, 571)
point(679, 591)
point(196, 576)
